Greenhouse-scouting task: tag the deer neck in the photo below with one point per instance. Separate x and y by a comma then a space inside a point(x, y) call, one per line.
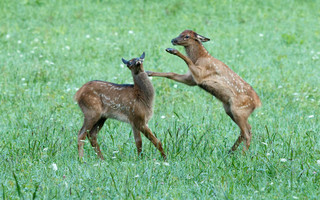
point(196, 51)
point(144, 88)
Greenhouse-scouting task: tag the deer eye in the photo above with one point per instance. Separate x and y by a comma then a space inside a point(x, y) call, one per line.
point(187, 36)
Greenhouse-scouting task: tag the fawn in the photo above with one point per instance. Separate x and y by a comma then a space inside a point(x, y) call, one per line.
point(133, 104)
point(237, 96)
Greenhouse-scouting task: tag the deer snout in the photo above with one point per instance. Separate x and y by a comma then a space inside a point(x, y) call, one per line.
point(174, 41)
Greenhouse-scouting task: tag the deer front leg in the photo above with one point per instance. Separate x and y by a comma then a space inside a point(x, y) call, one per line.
point(177, 53)
point(137, 139)
point(156, 142)
point(196, 71)
point(182, 78)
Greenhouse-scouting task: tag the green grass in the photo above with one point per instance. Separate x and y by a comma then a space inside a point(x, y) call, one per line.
point(48, 49)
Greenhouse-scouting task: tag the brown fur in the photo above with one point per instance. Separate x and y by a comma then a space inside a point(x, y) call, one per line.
point(133, 104)
point(238, 97)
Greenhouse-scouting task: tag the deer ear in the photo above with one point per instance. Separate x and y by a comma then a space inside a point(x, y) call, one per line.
point(124, 61)
point(202, 38)
point(142, 56)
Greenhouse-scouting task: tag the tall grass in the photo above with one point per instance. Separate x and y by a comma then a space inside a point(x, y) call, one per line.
point(48, 49)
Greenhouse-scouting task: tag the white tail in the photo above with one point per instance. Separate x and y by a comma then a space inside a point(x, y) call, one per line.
point(238, 97)
point(133, 104)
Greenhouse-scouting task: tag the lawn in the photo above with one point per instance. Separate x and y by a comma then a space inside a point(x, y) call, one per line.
point(49, 49)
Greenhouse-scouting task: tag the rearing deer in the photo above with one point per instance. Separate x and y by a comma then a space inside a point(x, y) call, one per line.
point(133, 104)
point(238, 97)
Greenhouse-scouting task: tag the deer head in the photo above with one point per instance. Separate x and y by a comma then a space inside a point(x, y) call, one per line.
point(188, 37)
point(135, 64)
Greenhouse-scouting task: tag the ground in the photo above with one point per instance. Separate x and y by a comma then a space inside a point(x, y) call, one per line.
point(49, 49)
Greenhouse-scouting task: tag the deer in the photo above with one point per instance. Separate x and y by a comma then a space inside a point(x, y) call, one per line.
point(238, 97)
point(129, 103)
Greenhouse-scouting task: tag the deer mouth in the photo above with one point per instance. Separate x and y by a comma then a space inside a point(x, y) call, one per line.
point(174, 41)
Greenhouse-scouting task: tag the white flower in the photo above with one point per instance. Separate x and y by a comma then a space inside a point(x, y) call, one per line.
point(162, 117)
point(87, 36)
point(130, 32)
point(114, 157)
point(49, 62)
point(54, 167)
point(157, 163)
point(283, 160)
point(137, 176)
point(7, 36)
point(318, 162)
point(32, 52)
point(45, 149)
point(97, 39)
point(261, 34)
point(166, 164)
point(67, 47)
point(36, 39)
point(19, 42)
point(268, 154)
point(311, 116)
point(122, 65)
point(264, 143)
point(280, 86)
point(315, 57)
point(294, 197)
point(115, 151)
point(175, 85)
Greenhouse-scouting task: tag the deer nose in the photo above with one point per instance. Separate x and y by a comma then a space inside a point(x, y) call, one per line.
point(174, 41)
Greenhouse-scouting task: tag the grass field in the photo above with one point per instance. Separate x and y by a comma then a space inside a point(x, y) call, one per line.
point(49, 49)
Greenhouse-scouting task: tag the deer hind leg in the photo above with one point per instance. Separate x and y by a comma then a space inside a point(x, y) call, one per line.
point(240, 117)
point(147, 132)
point(89, 122)
point(137, 139)
point(240, 138)
point(92, 136)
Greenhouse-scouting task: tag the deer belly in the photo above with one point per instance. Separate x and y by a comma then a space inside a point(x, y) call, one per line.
point(118, 116)
point(218, 90)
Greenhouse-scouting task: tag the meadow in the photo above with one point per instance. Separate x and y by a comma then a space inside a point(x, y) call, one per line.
point(49, 49)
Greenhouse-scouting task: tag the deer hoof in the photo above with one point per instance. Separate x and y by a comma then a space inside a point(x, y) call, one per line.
point(172, 51)
point(149, 73)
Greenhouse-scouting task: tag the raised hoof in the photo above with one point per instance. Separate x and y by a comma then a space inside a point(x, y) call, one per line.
point(172, 51)
point(149, 73)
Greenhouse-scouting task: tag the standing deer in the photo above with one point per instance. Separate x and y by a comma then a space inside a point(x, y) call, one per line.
point(237, 96)
point(132, 104)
